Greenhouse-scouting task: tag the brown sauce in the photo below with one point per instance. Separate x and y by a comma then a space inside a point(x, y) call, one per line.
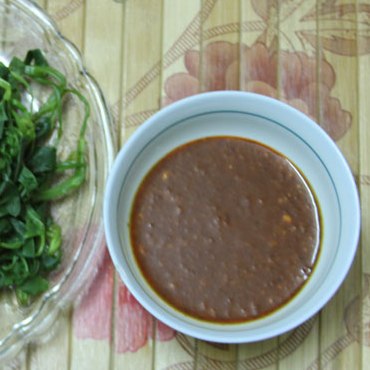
point(225, 229)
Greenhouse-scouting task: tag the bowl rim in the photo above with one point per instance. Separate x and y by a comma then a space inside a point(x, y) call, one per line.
point(109, 212)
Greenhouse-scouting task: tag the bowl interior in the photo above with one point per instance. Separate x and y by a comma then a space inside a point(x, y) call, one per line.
point(268, 122)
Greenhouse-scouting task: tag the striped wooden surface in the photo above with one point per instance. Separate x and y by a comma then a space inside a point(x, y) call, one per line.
point(145, 54)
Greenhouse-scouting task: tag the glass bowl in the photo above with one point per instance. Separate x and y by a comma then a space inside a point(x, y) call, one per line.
point(24, 26)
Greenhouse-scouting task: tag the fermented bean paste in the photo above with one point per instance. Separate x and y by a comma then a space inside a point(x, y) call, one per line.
point(225, 229)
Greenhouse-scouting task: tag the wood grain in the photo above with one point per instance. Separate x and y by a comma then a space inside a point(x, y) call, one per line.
point(146, 54)
point(332, 318)
point(364, 167)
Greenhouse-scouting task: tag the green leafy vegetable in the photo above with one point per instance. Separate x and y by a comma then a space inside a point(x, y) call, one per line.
point(30, 241)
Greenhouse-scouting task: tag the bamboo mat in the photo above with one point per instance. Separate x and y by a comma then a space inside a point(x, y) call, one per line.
point(145, 54)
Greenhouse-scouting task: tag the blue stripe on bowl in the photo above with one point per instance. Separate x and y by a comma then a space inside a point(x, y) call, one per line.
point(184, 120)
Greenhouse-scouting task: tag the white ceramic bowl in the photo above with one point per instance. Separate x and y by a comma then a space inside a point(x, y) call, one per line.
point(276, 125)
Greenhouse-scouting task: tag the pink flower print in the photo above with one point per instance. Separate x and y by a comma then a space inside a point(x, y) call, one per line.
point(256, 70)
point(133, 324)
point(92, 317)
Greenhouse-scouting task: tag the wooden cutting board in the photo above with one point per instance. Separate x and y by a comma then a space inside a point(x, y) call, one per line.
point(145, 54)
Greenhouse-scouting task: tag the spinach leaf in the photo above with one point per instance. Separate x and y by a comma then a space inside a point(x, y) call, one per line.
point(31, 175)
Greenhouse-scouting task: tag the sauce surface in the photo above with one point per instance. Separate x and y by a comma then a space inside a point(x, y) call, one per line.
point(225, 229)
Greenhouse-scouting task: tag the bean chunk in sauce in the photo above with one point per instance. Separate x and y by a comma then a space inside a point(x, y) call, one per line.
point(225, 229)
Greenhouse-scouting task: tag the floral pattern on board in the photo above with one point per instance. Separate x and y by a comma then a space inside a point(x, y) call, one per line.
point(133, 324)
point(303, 81)
point(298, 83)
